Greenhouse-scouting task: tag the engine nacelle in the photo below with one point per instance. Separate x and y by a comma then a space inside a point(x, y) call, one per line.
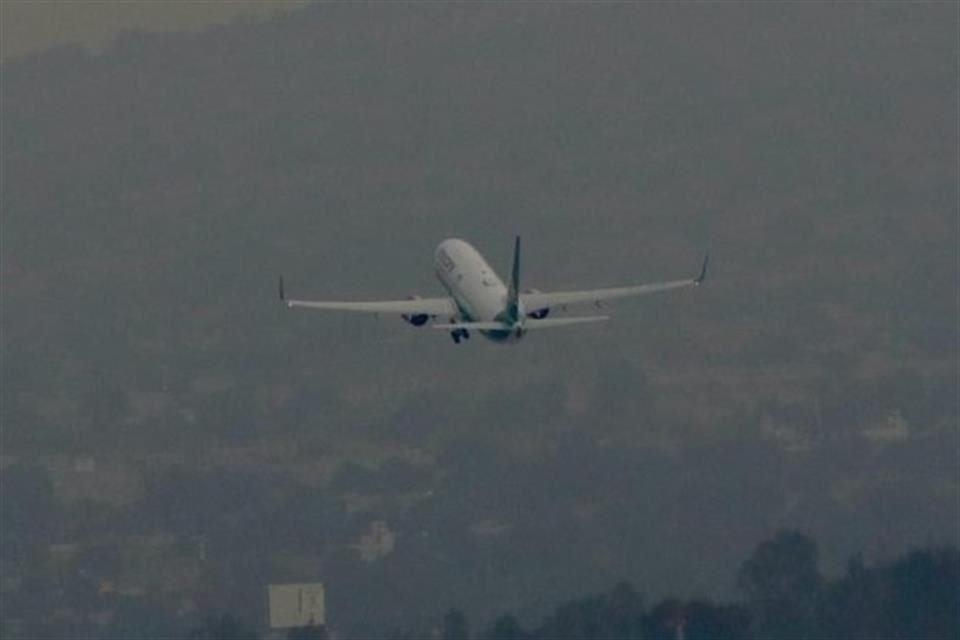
point(537, 314)
point(416, 319)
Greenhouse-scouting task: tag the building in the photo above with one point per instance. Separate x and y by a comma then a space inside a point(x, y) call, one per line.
point(297, 605)
point(377, 543)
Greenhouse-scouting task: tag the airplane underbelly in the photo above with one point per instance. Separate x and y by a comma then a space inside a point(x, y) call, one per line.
point(477, 303)
point(484, 302)
point(473, 284)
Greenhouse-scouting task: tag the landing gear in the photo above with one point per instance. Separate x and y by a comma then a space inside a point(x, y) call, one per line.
point(458, 334)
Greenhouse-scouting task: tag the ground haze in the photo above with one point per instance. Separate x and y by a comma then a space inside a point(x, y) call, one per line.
point(175, 438)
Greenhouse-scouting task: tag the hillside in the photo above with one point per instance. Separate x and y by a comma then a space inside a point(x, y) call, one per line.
point(152, 194)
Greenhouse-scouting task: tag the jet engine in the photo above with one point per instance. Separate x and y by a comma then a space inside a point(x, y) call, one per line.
point(537, 314)
point(416, 319)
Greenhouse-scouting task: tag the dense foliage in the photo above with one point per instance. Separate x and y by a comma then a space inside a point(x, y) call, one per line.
point(786, 598)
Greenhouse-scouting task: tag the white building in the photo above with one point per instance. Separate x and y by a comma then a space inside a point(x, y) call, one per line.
point(297, 605)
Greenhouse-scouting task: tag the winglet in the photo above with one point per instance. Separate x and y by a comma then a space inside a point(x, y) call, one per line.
point(703, 270)
point(515, 274)
point(513, 302)
point(283, 296)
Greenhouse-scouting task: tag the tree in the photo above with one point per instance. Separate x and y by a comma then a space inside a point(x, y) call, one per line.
point(853, 606)
point(617, 615)
point(624, 612)
point(665, 620)
point(224, 627)
point(782, 582)
point(925, 595)
point(706, 620)
point(308, 632)
point(143, 620)
point(507, 627)
point(455, 626)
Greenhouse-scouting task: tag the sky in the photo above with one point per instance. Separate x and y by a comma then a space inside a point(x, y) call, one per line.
point(29, 26)
point(153, 193)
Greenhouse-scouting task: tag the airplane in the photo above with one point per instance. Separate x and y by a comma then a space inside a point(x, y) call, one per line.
point(479, 301)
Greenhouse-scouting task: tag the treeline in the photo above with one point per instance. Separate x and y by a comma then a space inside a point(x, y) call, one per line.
point(785, 596)
point(784, 593)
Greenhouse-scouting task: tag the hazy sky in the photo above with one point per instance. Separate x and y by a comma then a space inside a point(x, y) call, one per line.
point(153, 194)
point(27, 26)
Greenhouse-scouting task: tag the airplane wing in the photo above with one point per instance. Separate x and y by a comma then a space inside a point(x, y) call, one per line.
point(542, 300)
point(412, 306)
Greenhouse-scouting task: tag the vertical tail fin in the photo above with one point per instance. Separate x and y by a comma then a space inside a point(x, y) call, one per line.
point(513, 300)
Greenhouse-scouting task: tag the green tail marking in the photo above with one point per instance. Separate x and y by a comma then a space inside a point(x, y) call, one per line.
point(513, 298)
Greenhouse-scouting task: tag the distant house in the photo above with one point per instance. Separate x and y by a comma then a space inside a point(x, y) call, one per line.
point(377, 543)
point(297, 605)
point(86, 478)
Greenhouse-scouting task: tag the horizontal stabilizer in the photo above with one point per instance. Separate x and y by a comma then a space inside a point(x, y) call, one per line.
point(531, 323)
point(476, 326)
point(549, 323)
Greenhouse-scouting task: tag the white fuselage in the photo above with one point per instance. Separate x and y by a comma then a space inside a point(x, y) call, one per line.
point(479, 293)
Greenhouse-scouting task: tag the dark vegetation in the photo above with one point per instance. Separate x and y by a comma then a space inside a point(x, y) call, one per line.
point(785, 596)
point(915, 596)
point(171, 435)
